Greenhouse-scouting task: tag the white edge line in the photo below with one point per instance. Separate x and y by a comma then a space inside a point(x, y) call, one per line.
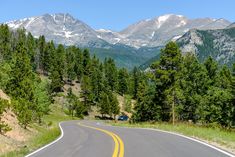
point(53, 142)
point(189, 138)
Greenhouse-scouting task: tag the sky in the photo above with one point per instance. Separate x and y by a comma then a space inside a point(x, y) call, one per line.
point(116, 14)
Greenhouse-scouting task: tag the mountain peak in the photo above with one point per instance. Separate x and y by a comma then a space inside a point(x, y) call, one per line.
point(64, 28)
point(160, 20)
point(62, 15)
point(166, 16)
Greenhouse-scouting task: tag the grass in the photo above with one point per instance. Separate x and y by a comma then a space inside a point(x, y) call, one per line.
point(222, 138)
point(44, 134)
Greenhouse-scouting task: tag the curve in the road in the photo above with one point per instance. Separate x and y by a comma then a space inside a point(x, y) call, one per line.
point(119, 146)
point(190, 138)
point(38, 150)
point(86, 140)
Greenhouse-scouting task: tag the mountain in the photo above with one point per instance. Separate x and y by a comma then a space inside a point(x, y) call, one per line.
point(65, 29)
point(130, 47)
point(231, 25)
point(158, 31)
point(62, 28)
point(220, 44)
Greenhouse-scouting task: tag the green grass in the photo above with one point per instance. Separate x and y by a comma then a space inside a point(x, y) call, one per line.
point(44, 134)
point(214, 135)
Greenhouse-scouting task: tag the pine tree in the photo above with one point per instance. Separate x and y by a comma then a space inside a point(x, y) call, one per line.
point(5, 44)
point(70, 63)
point(31, 48)
point(86, 62)
point(76, 108)
point(5, 69)
point(104, 105)
point(114, 105)
point(110, 73)
point(86, 93)
point(232, 120)
point(52, 60)
point(97, 80)
point(144, 109)
point(58, 70)
point(123, 81)
point(71, 103)
point(20, 84)
point(224, 78)
point(23, 111)
point(79, 64)
point(212, 68)
point(42, 53)
point(215, 107)
point(136, 81)
point(56, 81)
point(127, 104)
point(166, 74)
point(194, 84)
point(42, 99)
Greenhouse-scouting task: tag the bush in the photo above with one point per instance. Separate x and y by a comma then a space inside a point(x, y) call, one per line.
point(3, 126)
point(127, 104)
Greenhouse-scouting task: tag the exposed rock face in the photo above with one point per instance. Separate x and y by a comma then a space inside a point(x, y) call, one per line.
point(220, 44)
point(61, 28)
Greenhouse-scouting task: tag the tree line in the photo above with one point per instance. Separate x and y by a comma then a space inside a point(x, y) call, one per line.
point(24, 60)
point(180, 88)
point(175, 88)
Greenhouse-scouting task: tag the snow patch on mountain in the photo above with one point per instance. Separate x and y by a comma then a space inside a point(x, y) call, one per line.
point(152, 35)
point(162, 19)
point(104, 30)
point(182, 23)
point(176, 37)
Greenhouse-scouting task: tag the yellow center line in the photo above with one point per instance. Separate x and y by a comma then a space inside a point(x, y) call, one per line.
point(119, 146)
point(121, 150)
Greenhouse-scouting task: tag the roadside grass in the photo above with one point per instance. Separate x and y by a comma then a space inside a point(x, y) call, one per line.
point(224, 139)
point(43, 134)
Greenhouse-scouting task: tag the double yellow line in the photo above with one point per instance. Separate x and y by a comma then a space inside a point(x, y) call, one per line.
point(119, 146)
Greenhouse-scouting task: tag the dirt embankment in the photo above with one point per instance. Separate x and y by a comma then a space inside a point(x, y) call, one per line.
point(17, 136)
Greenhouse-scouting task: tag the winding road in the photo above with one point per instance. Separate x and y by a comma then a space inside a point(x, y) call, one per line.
point(95, 139)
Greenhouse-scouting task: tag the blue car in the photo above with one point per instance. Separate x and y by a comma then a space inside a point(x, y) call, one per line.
point(123, 118)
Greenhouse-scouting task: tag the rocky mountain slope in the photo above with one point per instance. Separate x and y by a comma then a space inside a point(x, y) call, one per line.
point(62, 28)
point(231, 25)
point(220, 44)
point(158, 31)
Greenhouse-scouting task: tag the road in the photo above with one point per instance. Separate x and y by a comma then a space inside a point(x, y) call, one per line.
point(95, 139)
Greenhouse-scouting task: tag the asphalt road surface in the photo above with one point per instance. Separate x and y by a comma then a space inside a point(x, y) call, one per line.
point(95, 139)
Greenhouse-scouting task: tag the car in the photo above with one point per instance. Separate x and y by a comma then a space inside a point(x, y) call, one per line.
point(123, 118)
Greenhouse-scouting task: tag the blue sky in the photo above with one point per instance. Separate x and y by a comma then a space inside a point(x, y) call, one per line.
point(117, 14)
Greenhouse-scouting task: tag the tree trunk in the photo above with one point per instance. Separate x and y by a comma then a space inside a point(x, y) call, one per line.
point(173, 109)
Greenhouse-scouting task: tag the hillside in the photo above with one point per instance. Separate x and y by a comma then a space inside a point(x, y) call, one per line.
point(17, 136)
point(220, 44)
point(19, 141)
